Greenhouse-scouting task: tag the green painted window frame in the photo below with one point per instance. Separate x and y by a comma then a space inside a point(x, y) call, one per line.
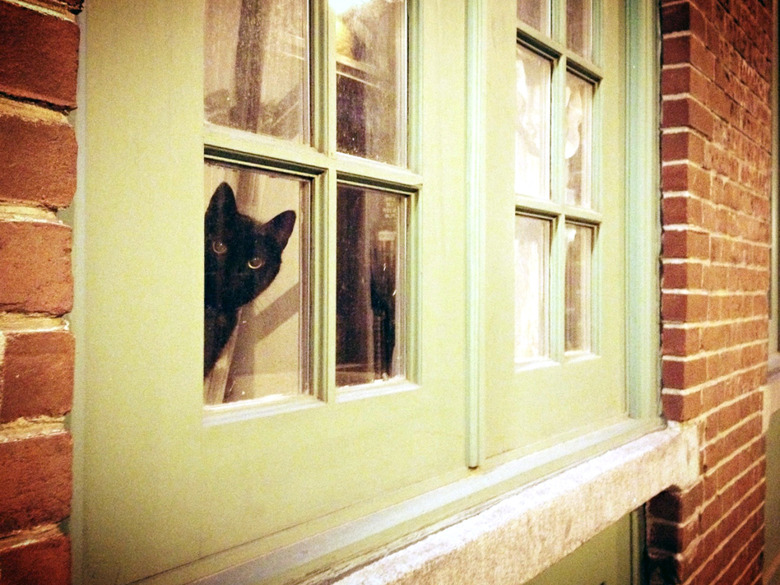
point(319, 161)
point(114, 393)
point(642, 233)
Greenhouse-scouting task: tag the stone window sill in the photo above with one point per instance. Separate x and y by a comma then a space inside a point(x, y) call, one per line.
point(518, 537)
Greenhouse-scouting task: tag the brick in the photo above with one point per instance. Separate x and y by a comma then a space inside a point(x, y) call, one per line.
point(35, 261)
point(677, 505)
point(38, 56)
point(683, 373)
point(686, 177)
point(684, 145)
point(671, 535)
point(715, 337)
point(681, 17)
point(681, 307)
point(37, 558)
point(677, 210)
point(679, 341)
point(716, 277)
point(685, 244)
point(686, 112)
point(688, 50)
point(36, 374)
point(685, 79)
point(37, 160)
point(35, 481)
point(681, 407)
point(682, 275)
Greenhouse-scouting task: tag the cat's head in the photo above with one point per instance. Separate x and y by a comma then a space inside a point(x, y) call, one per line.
point(242, 256)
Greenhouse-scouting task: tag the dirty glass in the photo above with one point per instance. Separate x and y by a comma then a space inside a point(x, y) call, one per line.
point(371, 68)
point(532, 131)
point(535, 13)
point(532, 287)
point(255, 295)
point(579, 275)
point(579, 28)
point(257, 67)
point(578, 145)
point(370, 285)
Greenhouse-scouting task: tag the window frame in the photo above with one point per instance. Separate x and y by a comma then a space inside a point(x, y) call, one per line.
point(641, 38)
point(319, 161)
point(404, 520)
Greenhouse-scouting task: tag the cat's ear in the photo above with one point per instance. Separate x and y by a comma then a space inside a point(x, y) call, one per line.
point(280, 227)
point(222, 204)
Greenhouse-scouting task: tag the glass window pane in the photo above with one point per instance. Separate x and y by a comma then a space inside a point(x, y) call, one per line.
point(255, 297)
point(579, 35)
point(371, 84)
point(256, 66)
point(532, 134)
point(370, 268)
point(532, 298)
point(535, 13)
point(578, 146)
point(579, 274)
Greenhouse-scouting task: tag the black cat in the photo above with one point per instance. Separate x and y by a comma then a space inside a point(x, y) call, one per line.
point(242, 257)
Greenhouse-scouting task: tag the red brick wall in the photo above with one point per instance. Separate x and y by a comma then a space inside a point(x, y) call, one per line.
point(38, 65)
point(716, 153)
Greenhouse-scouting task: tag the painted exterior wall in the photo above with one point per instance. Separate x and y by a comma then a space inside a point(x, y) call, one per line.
point(716, 151)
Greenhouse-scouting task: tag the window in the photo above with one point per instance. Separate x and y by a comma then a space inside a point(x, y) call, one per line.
point(416, 263)
point(563, 365)
point(258, 329)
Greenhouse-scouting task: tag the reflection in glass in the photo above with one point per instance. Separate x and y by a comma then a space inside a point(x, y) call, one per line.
point(578, 146)
point(371, 79)
point(579, 274)
point(255, 287)
point(579, 36)
point(370, 285)
point(256, 66)
point(532, 268)
point(535, 13)
point(532, 133)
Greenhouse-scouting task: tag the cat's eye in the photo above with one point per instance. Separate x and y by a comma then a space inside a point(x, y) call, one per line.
point(255, 263)
point(219, 247)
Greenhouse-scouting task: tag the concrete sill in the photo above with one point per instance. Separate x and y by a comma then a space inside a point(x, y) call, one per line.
point(521, 535)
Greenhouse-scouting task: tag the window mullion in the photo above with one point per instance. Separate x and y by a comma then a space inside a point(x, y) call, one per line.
point(559, 21)
point(323, 65)
point(557, 288)
point(324, 322)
